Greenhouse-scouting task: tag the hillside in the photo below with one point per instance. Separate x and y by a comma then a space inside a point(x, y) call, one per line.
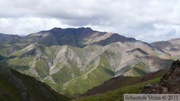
point(18, 87)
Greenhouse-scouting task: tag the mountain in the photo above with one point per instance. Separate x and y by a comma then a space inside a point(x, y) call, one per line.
point(74, 60)
point(169, 84)
point(18, 87)
point(171, 46)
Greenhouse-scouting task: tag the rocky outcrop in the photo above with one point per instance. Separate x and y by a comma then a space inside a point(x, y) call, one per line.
point(170, 83)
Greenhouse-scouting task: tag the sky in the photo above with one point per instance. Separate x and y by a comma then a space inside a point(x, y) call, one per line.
point(146, 20)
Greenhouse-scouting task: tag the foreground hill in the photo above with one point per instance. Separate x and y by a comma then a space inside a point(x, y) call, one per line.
point(74, 60)
point(18, 87)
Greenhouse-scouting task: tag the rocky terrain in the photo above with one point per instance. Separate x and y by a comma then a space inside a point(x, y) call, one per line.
point(170, 83)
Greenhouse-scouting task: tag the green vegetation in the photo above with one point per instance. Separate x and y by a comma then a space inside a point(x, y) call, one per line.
point(139, 70)
point(97, 76)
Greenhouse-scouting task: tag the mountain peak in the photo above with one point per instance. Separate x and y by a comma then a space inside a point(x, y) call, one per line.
point(55, 30)
point(80, 28)
point(58, 30)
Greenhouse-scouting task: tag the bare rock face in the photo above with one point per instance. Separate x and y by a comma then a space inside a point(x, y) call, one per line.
point(170, 83)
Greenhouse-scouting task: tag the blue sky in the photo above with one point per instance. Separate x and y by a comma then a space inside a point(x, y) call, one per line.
point(146, 20)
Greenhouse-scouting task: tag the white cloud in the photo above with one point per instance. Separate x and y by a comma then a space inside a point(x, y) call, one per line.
point(142, 19)
point(27, 25)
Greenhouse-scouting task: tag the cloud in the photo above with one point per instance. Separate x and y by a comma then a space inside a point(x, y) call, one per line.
point(155, 19)
point(27, 25)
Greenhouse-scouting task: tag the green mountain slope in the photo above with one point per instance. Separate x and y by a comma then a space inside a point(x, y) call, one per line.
point(18, 87)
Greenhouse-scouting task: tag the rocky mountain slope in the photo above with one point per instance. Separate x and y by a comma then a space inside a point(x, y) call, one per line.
point(72, 61)
point(169, 84)
point(18, 87)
